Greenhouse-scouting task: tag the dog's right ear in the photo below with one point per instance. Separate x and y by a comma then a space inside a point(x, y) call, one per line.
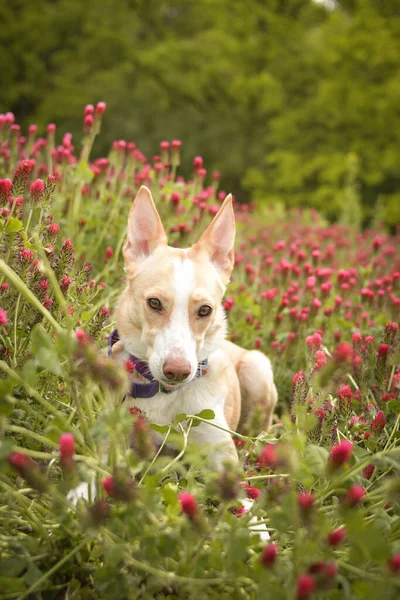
point(145, 230)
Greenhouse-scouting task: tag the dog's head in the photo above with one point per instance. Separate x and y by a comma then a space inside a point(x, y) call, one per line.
point(170, 313)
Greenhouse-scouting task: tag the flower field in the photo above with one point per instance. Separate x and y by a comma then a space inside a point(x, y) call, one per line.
point(322, 300)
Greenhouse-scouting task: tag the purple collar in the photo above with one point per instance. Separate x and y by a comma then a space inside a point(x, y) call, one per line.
point(147, 390)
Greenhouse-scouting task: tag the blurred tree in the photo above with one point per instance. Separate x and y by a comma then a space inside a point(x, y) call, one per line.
point(275, 95)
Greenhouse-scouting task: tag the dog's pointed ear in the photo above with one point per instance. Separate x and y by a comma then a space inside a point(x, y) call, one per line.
point(145, 230)
point(219, 238)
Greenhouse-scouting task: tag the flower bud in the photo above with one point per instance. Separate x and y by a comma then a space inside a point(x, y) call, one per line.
point(336, 537)
point(189, 505)
point(269, 554)
point(394, 563)
point(340, 454)
point(3, 317)
point(29, 470)
point(354, 495)
point(305, 586)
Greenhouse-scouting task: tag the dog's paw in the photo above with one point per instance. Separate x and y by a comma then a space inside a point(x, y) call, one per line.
point(82, 491)
point(260, 528)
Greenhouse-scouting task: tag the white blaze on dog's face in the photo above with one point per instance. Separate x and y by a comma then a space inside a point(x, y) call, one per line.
point(170, 314)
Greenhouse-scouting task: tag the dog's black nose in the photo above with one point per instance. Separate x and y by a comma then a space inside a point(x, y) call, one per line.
point(176, 370)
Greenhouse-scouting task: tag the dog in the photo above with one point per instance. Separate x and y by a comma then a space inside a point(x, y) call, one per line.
point(171, 326)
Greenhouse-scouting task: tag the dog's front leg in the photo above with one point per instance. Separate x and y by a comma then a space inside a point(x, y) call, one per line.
point(221, 443)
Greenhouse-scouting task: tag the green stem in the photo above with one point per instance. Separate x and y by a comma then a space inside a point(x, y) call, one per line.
point(29, 220)
point(182, 452)
point(31, 434)
point(156, 456)
point(391, 378)
point(395, 428)
point(234, 433)
point(33, 453)
point(360, 572)
point(253, 477)
point(15, 330)
point(27, 294)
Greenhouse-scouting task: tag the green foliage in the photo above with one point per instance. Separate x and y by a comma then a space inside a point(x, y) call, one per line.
point(275, 94)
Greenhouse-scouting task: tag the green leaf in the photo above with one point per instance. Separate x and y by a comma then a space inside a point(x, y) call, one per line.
point(316, 458)
point(394, 406)
point(14, 225)
point(179, 418)
point(32, 574)
point(207, 413)
point(29, 372)
point(12, 584)
point(12, 567)
point(5, 449)
point(44, 350)
point(159, 428)
point(40, 339)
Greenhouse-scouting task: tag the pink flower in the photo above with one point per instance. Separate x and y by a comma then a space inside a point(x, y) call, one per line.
point(53, 229)
point(345, 396)
point(3, 317)
point(5, 188)
point(238, 511)
point(305, 586)
point(320, 359)
point(368, 471)
point(252, 492)
point(109, 252)
point(36, 190)
point(314, 341)
point(175, 198)
point(197, 163)
point(336, 537)
point(340, 454)
point(269, 554)
point(129, 366)
point(67, 445)
point(298, 378)
point(305, 500)
point(343, 353)
point(379, 422)
point(354, 495)
point(188, 504)
point(108, 485)
point(100, 108)
point(88, 122)
point(268, 456)
point(383, 350)
point(394, 563)
point(20, 461)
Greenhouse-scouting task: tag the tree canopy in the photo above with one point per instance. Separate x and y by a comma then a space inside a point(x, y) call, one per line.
point(279, 96)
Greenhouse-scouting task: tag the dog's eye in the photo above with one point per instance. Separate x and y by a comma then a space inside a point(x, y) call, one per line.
point(204, 311)
point(154, 304)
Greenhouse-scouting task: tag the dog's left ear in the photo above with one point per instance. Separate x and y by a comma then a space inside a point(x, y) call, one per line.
point(145, 230)
point(219, 238)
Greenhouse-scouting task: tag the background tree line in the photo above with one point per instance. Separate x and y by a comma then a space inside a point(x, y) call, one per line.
point(284, 97)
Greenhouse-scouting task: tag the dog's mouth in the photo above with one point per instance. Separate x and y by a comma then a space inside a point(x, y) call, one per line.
point(172, 385)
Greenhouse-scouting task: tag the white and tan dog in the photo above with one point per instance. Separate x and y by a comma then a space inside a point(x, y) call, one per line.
point(170, 318)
